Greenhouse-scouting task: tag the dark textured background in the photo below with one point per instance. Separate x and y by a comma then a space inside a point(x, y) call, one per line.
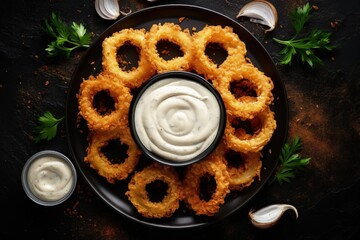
point(324, 112)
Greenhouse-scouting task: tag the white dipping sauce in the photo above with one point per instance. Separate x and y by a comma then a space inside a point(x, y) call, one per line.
point(177, 119)
point(50, 178)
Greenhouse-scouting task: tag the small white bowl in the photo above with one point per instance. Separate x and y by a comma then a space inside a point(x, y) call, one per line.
point(49, 165)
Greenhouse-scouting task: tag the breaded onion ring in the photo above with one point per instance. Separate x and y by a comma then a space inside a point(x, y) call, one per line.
point(227, 39)
point(119, 93)
point(214, 166)
point(263, 126)
point(243, 174)
point(111, 44)
point(172, 33)
point(246, 106)
point(98, 161)
point(138, 195)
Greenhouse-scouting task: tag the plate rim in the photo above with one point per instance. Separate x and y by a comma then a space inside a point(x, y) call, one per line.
point(100, 38)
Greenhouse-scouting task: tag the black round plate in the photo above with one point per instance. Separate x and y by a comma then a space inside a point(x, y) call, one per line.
point(198, 17)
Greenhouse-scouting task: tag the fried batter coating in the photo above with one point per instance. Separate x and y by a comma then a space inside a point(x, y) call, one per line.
point(111, 44)
point(227, 39)
point(239, 140)
point(246, 106)
point(214, 166)
point(243, 174)
point(173, 33)
point(119, 93)
point(103, 166)
point(139, 196)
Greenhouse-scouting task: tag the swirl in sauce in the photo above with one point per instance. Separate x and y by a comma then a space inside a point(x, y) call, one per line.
point(177, 119)
point(50, 178)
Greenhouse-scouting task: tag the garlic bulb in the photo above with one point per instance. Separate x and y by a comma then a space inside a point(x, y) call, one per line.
point(260, 11)
point(109, 9)
point(268, 216)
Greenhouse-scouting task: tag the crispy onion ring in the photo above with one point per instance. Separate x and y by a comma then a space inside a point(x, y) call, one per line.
point(172, 33)
point(243, 174)
point(136, 37)
point(228, 40)
point(263, 126)
point(98, 161)
point(120, 94)
point(214, 166)
point(139, 197)
point(246, 106)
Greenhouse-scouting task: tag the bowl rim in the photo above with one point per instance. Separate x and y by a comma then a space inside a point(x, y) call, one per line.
point(186, 76)
point(25, 183)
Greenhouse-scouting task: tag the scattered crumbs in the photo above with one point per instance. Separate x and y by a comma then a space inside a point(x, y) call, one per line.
point(332, 58)
point(193, 29)
point(44, 68)
point(46, 83)
point(181, 19)
point(72, 211)
point(270, 151)
point(92, 63)
point(165, 51)
point(334, 24)
point(314, 7)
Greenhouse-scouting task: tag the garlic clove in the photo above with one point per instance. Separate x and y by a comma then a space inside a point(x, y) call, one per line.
point(109, 9)
point(268, 216)
point(260, 11)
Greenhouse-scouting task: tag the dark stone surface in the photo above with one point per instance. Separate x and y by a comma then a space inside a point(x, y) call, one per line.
point(324, 113)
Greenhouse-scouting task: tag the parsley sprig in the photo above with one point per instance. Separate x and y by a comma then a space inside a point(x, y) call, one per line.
point(47, 126)
point(66, 38)
point(305, 47)
point(290, 161)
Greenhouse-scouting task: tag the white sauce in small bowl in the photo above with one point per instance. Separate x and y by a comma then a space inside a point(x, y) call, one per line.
point(177, 119)
point(48, 178)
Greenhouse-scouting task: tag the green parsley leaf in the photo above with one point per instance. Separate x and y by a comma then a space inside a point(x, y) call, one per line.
point(290, 161)
point(306, 47)
point(300, 16)
point(66, 38)
point(47, 126)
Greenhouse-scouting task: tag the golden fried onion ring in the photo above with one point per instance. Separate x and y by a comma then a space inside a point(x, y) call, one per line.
point(120, 94)
point(239, 140)
point(111, 44)
point(244, 174)
point(229, 40)
point(138, 195)
point(215, 166)
point(246, 106)
point(172, 33)
point(98, 161)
